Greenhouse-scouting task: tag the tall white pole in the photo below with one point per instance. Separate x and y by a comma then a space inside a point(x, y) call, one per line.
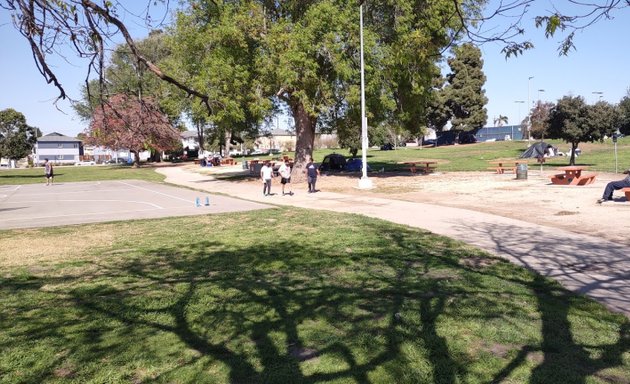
point(529, 107)
point(364, 182)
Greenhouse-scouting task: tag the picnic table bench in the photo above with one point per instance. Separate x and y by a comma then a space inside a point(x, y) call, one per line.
point(573, 176)
point(426, 166)
point(500, 166)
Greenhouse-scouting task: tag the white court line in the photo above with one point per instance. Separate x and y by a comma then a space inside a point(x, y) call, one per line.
point(83, 201)
point(84, 191)
point(159, 193)
point(15, 188)
point(80, 214)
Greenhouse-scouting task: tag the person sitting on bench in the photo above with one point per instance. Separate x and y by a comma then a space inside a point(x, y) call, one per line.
point(615, 185)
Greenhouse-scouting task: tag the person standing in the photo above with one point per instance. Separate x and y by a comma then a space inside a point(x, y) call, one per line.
point(48, 171)
point(311, 175)
point(613, 186)
point(266, 173)
point(285, 176)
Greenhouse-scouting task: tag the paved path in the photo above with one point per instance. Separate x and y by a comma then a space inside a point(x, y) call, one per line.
point(589, 265)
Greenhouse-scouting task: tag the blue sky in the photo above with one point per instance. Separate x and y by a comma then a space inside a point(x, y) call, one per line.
point(599, 64)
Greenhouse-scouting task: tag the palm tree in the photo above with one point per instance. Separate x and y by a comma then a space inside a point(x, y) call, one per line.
point(499, 121)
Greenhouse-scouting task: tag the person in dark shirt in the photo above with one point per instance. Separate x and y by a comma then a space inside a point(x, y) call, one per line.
point(311, 175)
point(48, 170)
point(613, 186)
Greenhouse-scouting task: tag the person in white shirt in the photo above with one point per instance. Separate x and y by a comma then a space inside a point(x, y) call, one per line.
point(285, 177)
point(266, 173)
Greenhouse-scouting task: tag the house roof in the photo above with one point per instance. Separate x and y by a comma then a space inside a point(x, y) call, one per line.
point(281, 132)
point(189, 135)
point(57, 137)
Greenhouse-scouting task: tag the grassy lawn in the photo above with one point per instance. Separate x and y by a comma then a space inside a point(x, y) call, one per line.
point(68, 174)
point(474, 157)
point(288, 296)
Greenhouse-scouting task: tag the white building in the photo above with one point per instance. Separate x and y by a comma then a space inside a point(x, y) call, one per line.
point(58, 149)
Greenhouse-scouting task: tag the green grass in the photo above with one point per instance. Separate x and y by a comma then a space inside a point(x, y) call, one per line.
point(474, 157)
point(68, 174)
point(288, 296)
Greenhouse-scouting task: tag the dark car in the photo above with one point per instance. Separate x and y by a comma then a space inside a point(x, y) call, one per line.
point(116, 161)
point(387, 147)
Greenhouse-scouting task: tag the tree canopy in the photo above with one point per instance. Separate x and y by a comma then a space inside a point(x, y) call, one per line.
point(17, 138)
point(305, 52)
point(575, 122)
point(539, 119)
point(130, 122)
point(465, 95)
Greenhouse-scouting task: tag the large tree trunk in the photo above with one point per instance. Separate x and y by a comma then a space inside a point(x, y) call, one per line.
point(200, 137)
point(305, 133)
point(228, 138)
point(136, 160)
point(573, 148)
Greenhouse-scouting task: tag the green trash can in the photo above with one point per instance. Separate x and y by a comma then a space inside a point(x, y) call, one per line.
point(521, 171)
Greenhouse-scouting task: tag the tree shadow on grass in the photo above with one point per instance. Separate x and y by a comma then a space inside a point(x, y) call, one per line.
point(277, 312)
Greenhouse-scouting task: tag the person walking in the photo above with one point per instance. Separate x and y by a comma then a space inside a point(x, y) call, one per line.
point(613, 186)
point(48, 171)
point(266, 173)
point(285, 176)
point(311, 175)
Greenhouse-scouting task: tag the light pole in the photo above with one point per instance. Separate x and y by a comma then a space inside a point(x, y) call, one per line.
point(519, 102)
point(600, 93)
point(364, 182)
point(540, 90)
point(529, 106)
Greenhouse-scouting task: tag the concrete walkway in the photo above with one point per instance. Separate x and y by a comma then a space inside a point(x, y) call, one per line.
point(584, 264)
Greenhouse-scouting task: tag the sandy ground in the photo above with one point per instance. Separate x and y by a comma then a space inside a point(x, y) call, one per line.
point(534, 200)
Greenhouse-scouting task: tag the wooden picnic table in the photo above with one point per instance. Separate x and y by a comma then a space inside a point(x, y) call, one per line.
point(573, 175)
point(500, 166)
point(426, 166)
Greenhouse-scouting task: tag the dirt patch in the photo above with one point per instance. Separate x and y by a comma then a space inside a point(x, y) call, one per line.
point(477, 262)
point(302, 354)
point(534, 200)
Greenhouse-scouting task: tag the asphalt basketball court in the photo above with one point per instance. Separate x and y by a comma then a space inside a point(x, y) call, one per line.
point(38, 205)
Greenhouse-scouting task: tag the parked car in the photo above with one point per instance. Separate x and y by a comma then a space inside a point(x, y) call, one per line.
point(90, 162)
point(387, 147)
point(119, 160)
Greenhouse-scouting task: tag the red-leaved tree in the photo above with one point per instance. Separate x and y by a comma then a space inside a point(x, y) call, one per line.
point(128, 122)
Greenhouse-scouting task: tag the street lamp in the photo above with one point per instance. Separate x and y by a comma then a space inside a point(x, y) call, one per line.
point(540, 90)
point(364, 182)
point(528, 106)
point(600, 93)
point(519, 102)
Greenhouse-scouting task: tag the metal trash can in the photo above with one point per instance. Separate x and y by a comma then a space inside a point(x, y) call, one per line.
point(245, 165)
point(521, 172)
